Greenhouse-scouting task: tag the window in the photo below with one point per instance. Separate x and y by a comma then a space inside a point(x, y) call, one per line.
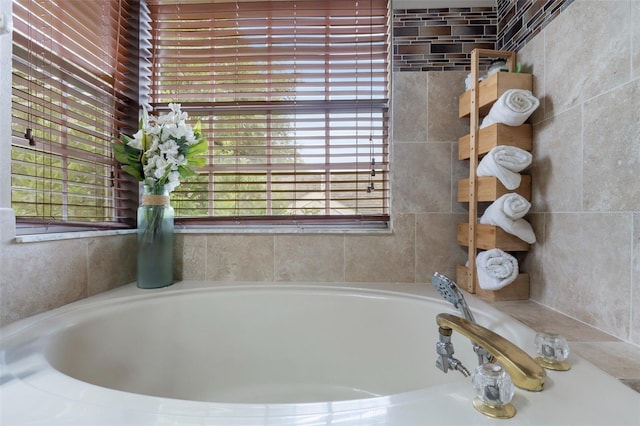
point(293, 97)
point(75, 87)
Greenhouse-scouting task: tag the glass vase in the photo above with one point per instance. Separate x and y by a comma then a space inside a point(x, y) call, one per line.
point(155, 239)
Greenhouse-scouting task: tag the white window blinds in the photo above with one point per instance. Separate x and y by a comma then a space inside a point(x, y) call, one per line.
point(75, 87)
point(293, 98)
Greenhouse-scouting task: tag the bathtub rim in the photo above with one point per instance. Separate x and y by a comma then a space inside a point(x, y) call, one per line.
point(129, 293)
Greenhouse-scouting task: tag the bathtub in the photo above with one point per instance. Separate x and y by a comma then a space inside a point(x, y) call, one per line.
point(200, 353)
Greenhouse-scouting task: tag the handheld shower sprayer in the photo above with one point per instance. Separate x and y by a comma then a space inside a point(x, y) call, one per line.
point(452, 294)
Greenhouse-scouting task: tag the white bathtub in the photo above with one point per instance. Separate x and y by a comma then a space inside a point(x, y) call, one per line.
point(214, 353)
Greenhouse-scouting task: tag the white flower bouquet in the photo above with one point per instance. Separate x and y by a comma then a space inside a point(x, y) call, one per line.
point(163, 150)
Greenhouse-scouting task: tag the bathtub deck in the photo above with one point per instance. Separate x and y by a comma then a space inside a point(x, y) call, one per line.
point(617, 358)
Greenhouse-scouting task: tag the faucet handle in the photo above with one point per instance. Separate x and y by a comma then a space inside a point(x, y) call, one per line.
point(553, 350)
point(494, 391)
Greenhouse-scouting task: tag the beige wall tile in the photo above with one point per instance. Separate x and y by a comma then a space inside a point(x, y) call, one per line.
point(443, 91)
point(7, 234)
point(635, 38)
point(42, 276)
point(421, 178)
point(612, 150)
point(556, 170)
point(635, 279)
point(436, 247)
point(409, 108)
point(240, 257)
point(586, 268)
point(459, 170)
point(111, 262)
point(531, 262)
point(587, 51)
point(190, 257)
point(309, 258)
point(531, 57)
point(382, 258)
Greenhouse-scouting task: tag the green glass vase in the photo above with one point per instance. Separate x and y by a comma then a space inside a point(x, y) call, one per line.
point(155, 239)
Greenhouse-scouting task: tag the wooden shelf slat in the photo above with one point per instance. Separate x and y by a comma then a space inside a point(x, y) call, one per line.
point(490, 236)
point(494, 135)
point(491, 89)
point(489, 188)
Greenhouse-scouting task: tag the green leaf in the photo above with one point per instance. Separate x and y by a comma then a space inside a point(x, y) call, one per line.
point(133, 171)
point(198, 161)
point(117, 147)
point(121, 157)
point(186, 171)
point(120, 153)
point(198, 148)
point(134, 155)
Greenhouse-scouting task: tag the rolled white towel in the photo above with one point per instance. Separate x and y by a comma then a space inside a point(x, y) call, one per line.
point(496, 269)
point(507, 212)
point(514, 206)
point(512, 108)
point(504, 162)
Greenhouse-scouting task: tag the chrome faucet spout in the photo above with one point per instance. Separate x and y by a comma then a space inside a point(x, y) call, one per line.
point(525, 372)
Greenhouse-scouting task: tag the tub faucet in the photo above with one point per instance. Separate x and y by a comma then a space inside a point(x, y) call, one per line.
point(525, 372)
point(450, 292)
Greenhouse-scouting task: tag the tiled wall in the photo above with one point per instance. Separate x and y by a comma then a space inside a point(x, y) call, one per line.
point(586, 197)
point(441, 39)
point(38, 276)
point(586, 201)
point(520, 21)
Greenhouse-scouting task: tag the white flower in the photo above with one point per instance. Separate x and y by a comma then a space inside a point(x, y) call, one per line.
point(160, 166)
point(136, 141)
point(180, 160)
point(173, 181)
point(169, 148)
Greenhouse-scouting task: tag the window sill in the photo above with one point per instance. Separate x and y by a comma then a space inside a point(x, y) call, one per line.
point(57, 236)
point(239, 229)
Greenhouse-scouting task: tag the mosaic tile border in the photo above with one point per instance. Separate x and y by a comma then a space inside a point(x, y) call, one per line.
point(521, 20)
point(441, 39)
